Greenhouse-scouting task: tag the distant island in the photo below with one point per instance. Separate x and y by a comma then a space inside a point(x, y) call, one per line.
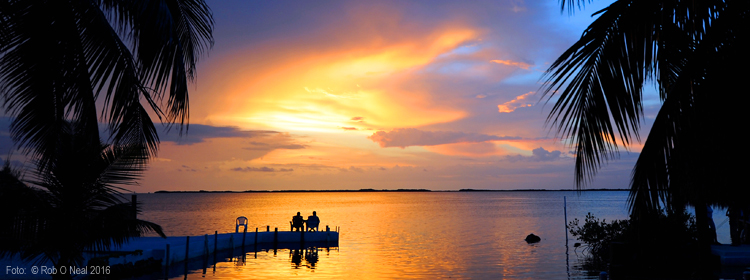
point(387, 190)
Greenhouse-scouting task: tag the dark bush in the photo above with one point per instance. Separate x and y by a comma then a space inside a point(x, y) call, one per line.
point(638, 246)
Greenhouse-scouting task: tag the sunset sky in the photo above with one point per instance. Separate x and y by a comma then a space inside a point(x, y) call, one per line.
point(439, 95)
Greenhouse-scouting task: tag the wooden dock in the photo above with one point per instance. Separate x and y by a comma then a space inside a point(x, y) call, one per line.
point(173, 250)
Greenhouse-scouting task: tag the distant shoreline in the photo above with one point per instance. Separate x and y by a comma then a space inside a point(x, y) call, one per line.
point(396, 190)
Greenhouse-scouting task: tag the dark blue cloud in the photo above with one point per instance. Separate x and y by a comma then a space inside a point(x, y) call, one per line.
point(261, 169)
point(197, 133)
point(404, 137)
point(194, 133)
point(538, 154)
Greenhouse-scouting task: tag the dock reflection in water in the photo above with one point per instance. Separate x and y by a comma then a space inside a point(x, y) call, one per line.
point(310, 255)
point(234, 264)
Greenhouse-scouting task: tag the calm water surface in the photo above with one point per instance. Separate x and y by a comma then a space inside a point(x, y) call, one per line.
point(397, 235)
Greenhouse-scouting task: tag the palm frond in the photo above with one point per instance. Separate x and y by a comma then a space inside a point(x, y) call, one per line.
point(115, 72)
point(123, 165)
point(572, 4)
point(80, 195)
point(169, 36)
point(30, 67)
point(599, 79)
point(116, 225)
point(42, 87)
point(603, 74)
point(22, 211)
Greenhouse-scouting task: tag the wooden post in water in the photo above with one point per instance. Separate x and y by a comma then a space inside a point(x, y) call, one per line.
point(187, 253)
point(275, 238)
point(205, 253)
point(166, 264)
point(216, 242)
point(205, 245)
point(268, 228)
point(565, 207)
point(243, 240)
point(255, 249)
point(256, 240)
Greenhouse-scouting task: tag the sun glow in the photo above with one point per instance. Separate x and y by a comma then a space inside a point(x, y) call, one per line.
point(323, 92)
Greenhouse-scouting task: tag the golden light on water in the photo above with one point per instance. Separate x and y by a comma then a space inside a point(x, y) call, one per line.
point(394, 235)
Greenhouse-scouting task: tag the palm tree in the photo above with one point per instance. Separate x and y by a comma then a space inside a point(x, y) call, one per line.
point(690, 51)
point(58, 57)
point(75, 205)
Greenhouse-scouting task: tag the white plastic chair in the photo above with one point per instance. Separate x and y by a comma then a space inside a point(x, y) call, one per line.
point(241, 221)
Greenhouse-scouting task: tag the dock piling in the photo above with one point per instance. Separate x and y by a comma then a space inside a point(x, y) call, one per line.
point(243, 241)
point(565, 210)
point(205, 253)
point(166, 263)
point(216, 242)
point(268, 228)
point(187, 254)
point(205, 245)
point(275, 238)
point(256, 240)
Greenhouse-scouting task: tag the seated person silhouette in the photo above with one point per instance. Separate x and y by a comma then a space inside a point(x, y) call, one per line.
point(313, 222)
point(297, 222)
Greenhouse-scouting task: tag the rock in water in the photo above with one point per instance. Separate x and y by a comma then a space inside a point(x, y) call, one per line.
point(531, 238)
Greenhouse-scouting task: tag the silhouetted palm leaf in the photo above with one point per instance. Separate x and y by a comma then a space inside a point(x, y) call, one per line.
point(599, 80)
point(686, 49)
point(75, 204)
point(57, 57)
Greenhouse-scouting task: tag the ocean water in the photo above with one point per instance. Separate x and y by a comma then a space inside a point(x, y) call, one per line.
point(476, 235)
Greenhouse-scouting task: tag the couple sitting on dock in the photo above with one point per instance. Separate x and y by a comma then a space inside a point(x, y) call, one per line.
point(298, 223)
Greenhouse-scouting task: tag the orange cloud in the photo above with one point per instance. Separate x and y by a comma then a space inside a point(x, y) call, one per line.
point(468, 149)
point(514, 104)
point(293, 89)
point(521, 65)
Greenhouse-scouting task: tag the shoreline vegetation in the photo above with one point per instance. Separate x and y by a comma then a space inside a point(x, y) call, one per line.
point(396, 190)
